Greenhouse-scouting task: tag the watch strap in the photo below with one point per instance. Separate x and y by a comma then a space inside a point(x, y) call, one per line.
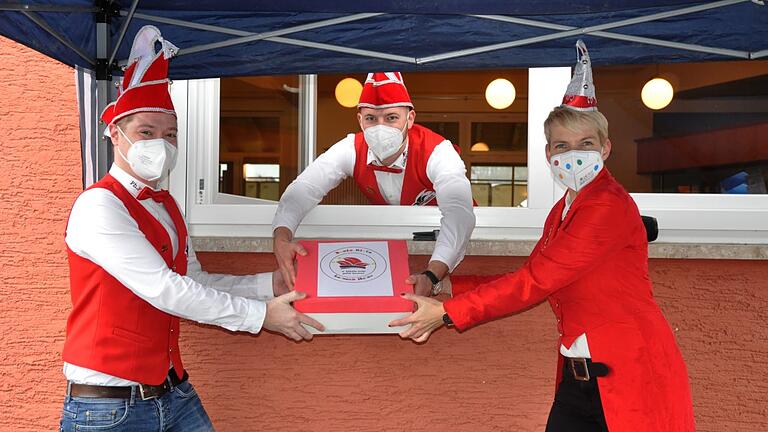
point(447, 320)
point(432, 277)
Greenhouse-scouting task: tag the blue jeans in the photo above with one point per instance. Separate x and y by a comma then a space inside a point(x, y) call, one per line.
point(178, 410)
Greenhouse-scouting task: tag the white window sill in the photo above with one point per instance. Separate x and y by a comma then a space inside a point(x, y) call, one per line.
point(512, 248)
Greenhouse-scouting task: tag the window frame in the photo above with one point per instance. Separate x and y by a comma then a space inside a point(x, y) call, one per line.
point(683, 218)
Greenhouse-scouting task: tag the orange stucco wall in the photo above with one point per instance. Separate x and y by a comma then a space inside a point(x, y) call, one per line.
point(40, 176)
point(495, 377)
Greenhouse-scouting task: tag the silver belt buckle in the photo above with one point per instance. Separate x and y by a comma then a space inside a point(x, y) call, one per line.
point(576, 375)
point(141, 393)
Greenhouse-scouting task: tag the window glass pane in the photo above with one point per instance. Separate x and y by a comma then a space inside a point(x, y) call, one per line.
point(499, 186)
point(709, 139)
point(262, 181)
point(521, 174)
point(258, 135)
point(499, 136)
point(225, 177)
point(449, 130)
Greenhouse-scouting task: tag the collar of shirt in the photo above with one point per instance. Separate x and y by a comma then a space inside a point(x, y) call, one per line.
point(131, 183)
point(568, 202)
point(398, 163)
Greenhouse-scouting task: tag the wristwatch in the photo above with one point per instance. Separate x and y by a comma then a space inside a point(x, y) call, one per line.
point(447, 320)
point(437, 284)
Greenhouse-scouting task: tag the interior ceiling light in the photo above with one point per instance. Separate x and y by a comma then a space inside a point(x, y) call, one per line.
point(500, 93)
point(657, 93)
point(348, 92)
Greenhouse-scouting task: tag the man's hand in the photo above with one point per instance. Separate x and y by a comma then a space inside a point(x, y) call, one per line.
point(285, 250)
point(283, 318)
point(422, 285)
point(279, 287)
point(427, 318)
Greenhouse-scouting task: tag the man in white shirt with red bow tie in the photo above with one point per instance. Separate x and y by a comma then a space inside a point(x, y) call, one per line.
point(133, 274)
point(394, 162)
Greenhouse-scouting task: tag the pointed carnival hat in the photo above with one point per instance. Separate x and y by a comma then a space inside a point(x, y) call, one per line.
point(580, 94)
point(384, 90)
point(144, 87)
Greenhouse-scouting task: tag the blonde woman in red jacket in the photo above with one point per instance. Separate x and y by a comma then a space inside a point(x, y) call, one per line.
point(619, 367)
point(591, 265)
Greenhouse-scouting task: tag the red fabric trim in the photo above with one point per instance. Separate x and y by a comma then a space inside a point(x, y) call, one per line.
point(579, 101)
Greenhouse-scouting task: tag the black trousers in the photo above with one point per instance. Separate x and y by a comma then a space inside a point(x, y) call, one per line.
point(577, 406)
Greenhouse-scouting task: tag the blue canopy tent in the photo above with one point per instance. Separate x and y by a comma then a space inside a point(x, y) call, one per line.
point(237, 38)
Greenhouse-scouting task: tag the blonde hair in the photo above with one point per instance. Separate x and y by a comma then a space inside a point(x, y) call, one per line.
point(575, 121)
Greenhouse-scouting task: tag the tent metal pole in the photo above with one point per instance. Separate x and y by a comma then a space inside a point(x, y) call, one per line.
point(128, 19)
point(345, 50)
point(19, 7)
point(621, 37)
point(306, 44)
point(243, 33)
point(247, 37)
point(103, 90)
point(578, 31)
point(188, 24)
point(273, 36)
point(758, 54)
point(307, 120)
point(44, 25)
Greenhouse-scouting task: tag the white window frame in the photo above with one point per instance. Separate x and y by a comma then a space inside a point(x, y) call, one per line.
point(683, 218)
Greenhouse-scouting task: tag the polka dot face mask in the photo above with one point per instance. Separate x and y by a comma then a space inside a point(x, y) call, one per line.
point(574, 169)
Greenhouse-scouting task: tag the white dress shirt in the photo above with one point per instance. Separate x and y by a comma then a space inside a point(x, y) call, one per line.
point(579, 348)
point(101, 230)
point(445, 170)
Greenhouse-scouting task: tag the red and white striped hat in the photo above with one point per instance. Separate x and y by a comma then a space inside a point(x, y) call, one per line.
point(144, 87)
point(580, 94)
point(384, 90)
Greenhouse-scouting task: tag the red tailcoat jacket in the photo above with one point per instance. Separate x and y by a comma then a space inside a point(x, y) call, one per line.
point(111, 329)
point(593, 268)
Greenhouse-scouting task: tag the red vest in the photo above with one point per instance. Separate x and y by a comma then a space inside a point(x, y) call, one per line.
point(112, 330)
point(417, 188)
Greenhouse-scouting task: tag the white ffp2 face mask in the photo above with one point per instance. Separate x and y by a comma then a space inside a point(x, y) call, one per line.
point(150, 159)
point(384, 141)
point(576, 168)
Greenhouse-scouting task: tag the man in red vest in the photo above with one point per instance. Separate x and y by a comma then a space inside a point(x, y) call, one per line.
point(133, 274)
point(394, 162)
point(619, 368)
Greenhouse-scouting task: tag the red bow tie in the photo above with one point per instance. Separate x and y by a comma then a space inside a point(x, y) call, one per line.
point(385, 168)
point(160, 196)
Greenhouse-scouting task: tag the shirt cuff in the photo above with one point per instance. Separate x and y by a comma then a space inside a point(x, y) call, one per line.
point(263, 283)
point(254, 320)
point(447, 257)
point(285, 224)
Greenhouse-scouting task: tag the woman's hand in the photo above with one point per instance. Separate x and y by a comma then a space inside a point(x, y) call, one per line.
point(427, 318)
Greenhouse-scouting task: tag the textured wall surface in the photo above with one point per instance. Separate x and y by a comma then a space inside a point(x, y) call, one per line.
point(40, 176)
point(496, 377)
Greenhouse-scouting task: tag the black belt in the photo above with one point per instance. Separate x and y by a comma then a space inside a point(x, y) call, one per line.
point(584, 369)
point(143, 391)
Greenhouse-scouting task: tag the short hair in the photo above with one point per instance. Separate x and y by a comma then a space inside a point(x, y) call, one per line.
point(123, 122)
point(576, 120)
